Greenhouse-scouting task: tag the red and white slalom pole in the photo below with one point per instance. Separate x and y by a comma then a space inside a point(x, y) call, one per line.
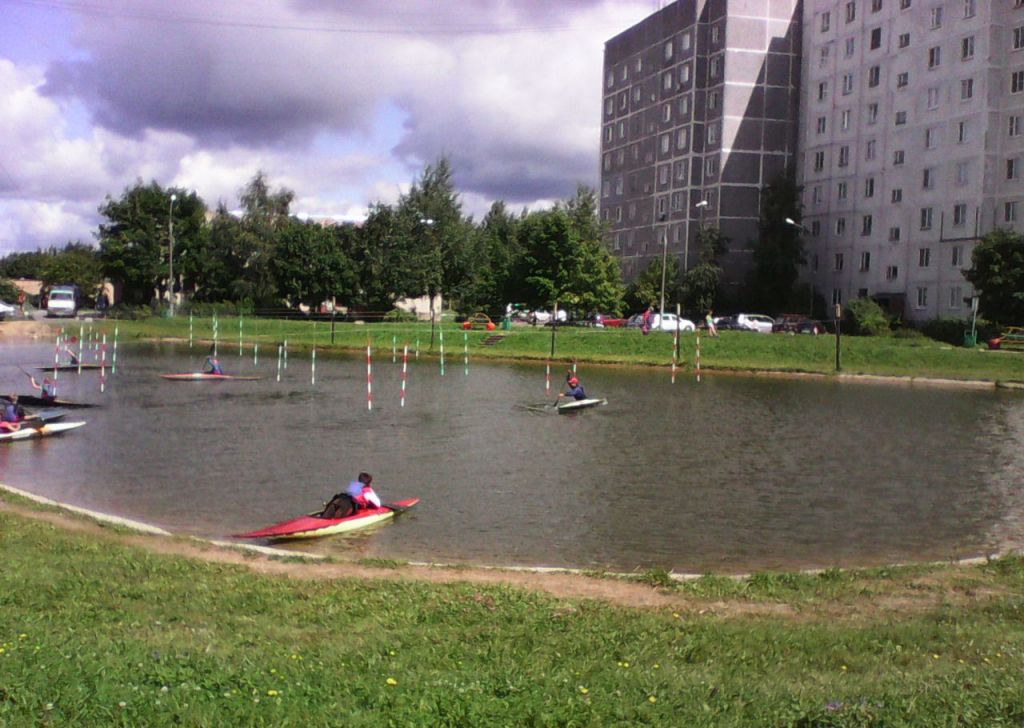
point(369, 378)
point(675, 353)
point(547, 378)
point(405, 368)
point(103, 365)
point(698, 355)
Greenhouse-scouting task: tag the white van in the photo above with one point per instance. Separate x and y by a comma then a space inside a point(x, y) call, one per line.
point(62, 301)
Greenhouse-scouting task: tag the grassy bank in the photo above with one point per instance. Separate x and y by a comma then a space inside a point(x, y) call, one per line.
point(739, 351)
point(97, 632)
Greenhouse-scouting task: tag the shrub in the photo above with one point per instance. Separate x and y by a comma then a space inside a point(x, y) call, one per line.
point(866, 318)
point(951, 330)
point(396, 315)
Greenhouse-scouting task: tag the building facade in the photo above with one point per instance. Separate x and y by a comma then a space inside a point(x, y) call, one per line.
point(700, 104)
point(912, 145)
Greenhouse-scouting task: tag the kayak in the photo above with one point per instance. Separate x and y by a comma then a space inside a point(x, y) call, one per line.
point(313, 526)
point(69, 367)
point(32, 400)
point(206, 377)
point(580, 404)
point(27, 432)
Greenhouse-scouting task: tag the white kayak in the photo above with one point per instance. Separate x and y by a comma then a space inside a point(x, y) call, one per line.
point(27, 432)
point(579, 404)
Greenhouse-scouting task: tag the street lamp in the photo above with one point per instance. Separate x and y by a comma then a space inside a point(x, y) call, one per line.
point(170, 255)
point(702, 205)
point(430, 293)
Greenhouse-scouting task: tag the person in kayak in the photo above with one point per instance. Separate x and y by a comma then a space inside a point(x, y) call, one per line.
point(47, 390)
point(11, 415)
point(72, 356)
point(212, 366)
point(362, 492)
point(575, 389)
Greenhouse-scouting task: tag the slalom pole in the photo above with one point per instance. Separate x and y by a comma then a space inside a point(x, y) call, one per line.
point(313, 368)
point(675, 346)
point(285, 347)
point(113, 363)
point(255, 355)
point(80, 330)
point(547, 378)
point(465, 351)
point(394, 348)
point(56, 353)
point(279, 362)
point(369, 378)
point(440, 333)
point(103, 365)
point(189, 329)
point(240, 337)
point(405, 367)
point(417, 348)
point(698, 355)
point(216, 330)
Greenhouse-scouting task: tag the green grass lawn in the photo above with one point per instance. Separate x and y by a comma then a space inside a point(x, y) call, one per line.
point(736, 351)
point(94, 632)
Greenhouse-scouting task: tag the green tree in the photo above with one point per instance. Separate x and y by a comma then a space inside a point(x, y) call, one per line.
point(77, 264)
point(311, 265)
point(700, 284)
point(997, 272)
point(134, 240)
point(646, 289)
point(253, 249)
point(386, 257)
point(22, 265)
point(494, 251)
point(779, 250)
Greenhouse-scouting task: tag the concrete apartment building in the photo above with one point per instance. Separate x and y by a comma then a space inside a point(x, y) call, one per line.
point(700, 104)
point(911, 140)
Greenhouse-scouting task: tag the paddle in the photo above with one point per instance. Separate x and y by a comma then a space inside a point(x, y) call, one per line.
point(395, 507)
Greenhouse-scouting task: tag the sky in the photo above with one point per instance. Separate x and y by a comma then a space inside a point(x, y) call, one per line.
point(344, 102)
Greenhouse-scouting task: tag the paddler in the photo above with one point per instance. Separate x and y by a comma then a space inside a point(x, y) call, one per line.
point(575, 389)
point(212, 366)
point(11, 415)
point(47, 390)
point(362, 492)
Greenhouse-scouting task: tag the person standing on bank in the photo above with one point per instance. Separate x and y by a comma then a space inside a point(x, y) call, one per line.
point(709, 321)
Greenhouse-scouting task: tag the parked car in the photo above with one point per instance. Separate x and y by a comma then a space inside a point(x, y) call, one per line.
point(756, 322)
point(6, 310)
point(63, 301)
point(809, 326)
point(789, 323)
point(544, 317)
point(662, 323)
point(601, 321)
point(730, 323)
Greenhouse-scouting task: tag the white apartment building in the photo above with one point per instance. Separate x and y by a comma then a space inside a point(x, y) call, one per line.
point(911, 145)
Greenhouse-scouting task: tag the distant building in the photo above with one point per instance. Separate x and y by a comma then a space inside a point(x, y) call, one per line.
point(700, 105)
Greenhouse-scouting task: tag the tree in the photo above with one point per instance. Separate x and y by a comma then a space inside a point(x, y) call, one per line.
point(77, 264)
point(254, 246)
point(646, 289)
point(494, 250)
point(311, 265)
point(997, 272)
point(387, 260)
point(779, 250)
point(134, 240)
point(22, 265)
point(700, 284)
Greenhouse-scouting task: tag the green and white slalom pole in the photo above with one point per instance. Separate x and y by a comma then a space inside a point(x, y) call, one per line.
point(113, 361)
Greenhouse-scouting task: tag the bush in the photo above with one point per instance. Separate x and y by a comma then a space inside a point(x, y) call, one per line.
point(129, 312)
point(221, 308)
point(866, 318)
point(396, 315)
point(8, 291)
point(952, 330)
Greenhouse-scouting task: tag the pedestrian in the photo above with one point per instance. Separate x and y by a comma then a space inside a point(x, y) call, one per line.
point(646, 322)
point(709, 321)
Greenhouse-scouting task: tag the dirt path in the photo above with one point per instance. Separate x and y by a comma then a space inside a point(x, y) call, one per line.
point(24, 330)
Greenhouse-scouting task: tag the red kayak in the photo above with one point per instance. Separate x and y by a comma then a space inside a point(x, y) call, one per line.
point(206, 377)
point(312, 526)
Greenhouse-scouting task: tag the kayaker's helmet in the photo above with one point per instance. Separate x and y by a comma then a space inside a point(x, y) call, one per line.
point(365, 478)
point(573, 381)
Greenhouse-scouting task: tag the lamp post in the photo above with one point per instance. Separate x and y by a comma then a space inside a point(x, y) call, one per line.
point(702, 205)
point(810, 283)
point(170, 256)
point(429, 223)
point(664, 263)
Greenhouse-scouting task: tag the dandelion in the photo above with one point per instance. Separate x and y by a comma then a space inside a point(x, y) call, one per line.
point(49, 706)
point(584, 690)
point(935, 657)
point(2, 650)
point(844, 668)
point(122, 704)
point(22, 636)
point(391, 681)
point(272, 693)
point(295, 657)
point(164, 689)
point(656, 666)
point(652, 699)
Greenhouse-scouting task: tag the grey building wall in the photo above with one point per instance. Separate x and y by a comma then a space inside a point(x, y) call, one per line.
point(700, 104)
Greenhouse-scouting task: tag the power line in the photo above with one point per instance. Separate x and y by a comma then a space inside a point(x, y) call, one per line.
point(99, 10)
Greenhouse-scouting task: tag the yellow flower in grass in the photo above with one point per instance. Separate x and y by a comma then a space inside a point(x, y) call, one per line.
point(584, 690)
point(391, 681)
point(652, 699)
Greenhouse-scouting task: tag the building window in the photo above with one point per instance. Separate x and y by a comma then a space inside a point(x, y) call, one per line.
point(967, 48)
point(876, 38)
point(1018, 38)
point(681, 170)
point(711, 167)
point(716, 34)
point(837, 296)
point(962, 134)
point(929, 138)
point(1017, 82)
point(841, 191)
point(826, 21)
point(1010, 212)
point(848, 83)
point(684, 106)
point(819, 161)
point(685, 72)
point(872, 113)
point(922, 297)
point(959, 214)
point(933, 98)
point(901, 118)
point(874, 76)
point(666, 113)
point(712, 134)
point(816, 195)
point(924, 257)
point(715, 67)
point(966, 89)
point(840, 226)
point(961, 174)
point(934, 56)
point(876, 5)
point(865, 261)
point(866, 223)
point(894, 234)
point(898, 157)
point(815, 228)
point(897, 195)
point(822, 124)
point(1012, 168)
point(926, 218)
point(955, 296)
point(869, 187)
point(822, 90)
point(905, 4)
point(666, 143)
point(844, 120)
point(837, 263)
point(936, 17)
point(869, 149)
point(823, 53)
point(904, 40)
point(682, 138)
point(956, 256)
point(928, 179)
point(844, 156)
point(851, 11)
point(668, 51)
point(663, 173)
point(970, 8)
point(1014, 126)
point(666, 81)
point(902, 79)
point(892, 272)
point(851, 46)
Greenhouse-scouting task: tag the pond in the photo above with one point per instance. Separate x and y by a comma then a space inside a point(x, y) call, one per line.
point(729, 475)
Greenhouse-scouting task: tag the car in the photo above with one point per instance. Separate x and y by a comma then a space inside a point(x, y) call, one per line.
point(730, 323)
point(662, 323)
point(789, 323)
point(602, 321)
point(6, 310)
point(810, 326)
point(544, 317)
point(62, 301)
point(756, 322)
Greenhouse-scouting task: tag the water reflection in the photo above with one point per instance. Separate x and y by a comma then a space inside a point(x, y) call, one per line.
point(732, 474)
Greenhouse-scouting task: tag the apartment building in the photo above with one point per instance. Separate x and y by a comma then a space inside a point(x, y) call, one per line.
point(699, 112)
point(911, 145)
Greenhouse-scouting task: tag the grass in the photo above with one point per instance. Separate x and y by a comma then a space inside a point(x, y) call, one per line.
point(94, 632)
point(733, 351)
